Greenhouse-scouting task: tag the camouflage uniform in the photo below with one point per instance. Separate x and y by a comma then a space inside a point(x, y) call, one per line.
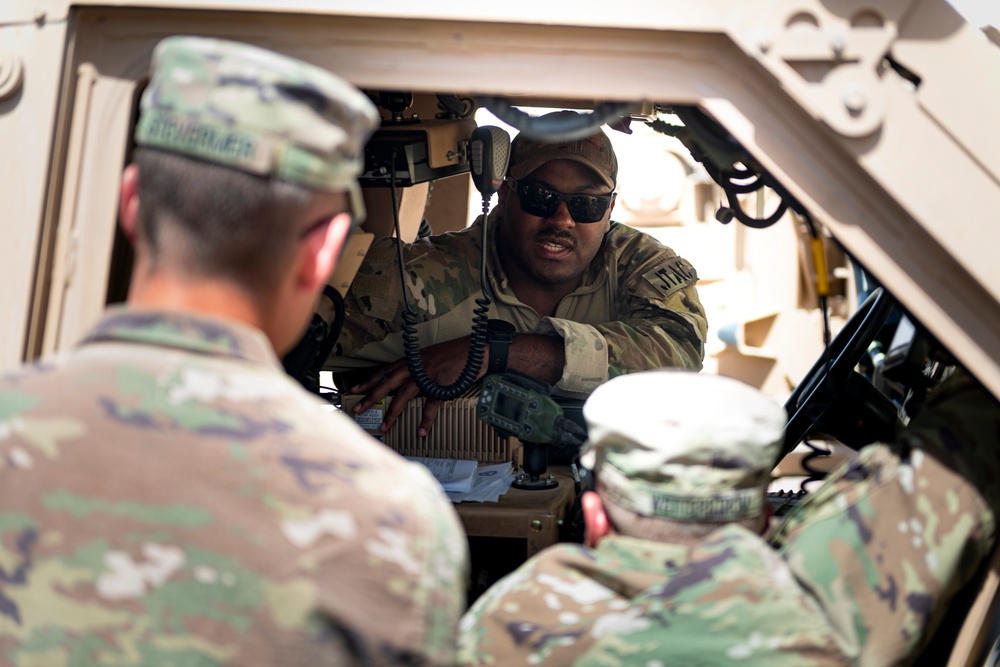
point(636, 308)
point(890, 537)
point(729, 600)
point(864, 572)
point(170, 496)
point(720, 599)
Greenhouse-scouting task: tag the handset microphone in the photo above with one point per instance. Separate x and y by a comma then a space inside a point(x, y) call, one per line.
point(489, 152)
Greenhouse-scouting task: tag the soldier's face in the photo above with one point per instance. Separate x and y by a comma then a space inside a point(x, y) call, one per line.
point(551, 252)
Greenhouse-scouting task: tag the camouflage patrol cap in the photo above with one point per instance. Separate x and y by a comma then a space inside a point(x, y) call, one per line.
point(681, 445)
point(595, 152)
point(257, 111)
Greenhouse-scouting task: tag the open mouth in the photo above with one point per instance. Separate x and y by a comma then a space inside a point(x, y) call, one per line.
point(554, 247)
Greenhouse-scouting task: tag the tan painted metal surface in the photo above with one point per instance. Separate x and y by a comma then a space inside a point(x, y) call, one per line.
point(905, 177)
point(27, 117)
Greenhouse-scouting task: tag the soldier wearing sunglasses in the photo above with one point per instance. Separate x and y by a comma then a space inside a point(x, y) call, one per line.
point(588, 298)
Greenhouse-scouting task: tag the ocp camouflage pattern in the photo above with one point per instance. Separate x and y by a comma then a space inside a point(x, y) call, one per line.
point(623, 317)
point(257, 110)
point(892, 535)
point(729, 600)
point(863, 573)
point(170, 497)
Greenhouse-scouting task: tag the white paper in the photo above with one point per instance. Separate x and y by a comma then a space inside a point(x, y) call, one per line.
point(455, 475)
point(491, 482)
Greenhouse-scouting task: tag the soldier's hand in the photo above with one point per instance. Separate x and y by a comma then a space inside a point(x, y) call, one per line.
point(444, 363)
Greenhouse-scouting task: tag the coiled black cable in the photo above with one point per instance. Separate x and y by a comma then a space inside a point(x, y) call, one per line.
point(756, 223)
point(727, 163)
point(411, 341)
point(814, 474)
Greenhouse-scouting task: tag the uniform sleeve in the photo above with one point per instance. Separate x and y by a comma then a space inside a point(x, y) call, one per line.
point(372, 311)
point(398, 572)
point(890, 538)
point(440, 588)
point(442, 285)
point(660, 320)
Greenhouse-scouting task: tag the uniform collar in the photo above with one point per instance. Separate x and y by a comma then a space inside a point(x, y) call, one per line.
point(199, 333)
point(617, 546)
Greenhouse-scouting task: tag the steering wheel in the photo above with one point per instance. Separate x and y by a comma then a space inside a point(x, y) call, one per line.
point(820, 385)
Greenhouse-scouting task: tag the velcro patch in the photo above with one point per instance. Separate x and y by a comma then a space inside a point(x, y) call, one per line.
point(215, 142)
point(376, 295)
point(671, 276)
point(376, 286)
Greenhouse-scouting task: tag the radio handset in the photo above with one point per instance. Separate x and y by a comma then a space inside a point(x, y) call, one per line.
point(488, 152)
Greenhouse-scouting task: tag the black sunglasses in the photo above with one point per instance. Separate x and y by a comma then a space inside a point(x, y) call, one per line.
point(536, 200)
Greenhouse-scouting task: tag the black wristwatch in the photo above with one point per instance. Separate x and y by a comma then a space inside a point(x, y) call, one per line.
point(500, 335)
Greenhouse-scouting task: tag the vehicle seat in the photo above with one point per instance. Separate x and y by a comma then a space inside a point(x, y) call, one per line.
point(963, 639)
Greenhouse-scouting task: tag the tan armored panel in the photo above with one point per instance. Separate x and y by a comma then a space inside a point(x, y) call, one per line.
point(902, 174)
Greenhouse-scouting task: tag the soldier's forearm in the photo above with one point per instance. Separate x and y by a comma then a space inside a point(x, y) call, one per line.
point(541, 357)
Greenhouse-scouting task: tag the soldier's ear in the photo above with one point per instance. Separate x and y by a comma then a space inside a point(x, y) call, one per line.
point(128, 202)
point(595, 519)
point(322, 248)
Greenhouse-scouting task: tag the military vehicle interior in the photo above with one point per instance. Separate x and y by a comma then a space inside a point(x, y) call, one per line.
point(787, 173)
point(877, 362)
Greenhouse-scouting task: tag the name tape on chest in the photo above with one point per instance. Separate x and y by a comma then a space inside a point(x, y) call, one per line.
point(671, 276)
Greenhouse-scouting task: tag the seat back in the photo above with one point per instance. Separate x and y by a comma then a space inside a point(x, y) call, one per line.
point(969, 629)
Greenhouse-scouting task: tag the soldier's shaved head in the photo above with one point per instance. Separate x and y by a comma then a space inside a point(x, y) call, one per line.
point(254, 220)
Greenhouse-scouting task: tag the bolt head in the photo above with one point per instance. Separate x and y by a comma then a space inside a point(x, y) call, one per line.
point(855, 98)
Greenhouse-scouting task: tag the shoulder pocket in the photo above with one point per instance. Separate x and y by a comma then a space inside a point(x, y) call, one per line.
point(376, 295)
